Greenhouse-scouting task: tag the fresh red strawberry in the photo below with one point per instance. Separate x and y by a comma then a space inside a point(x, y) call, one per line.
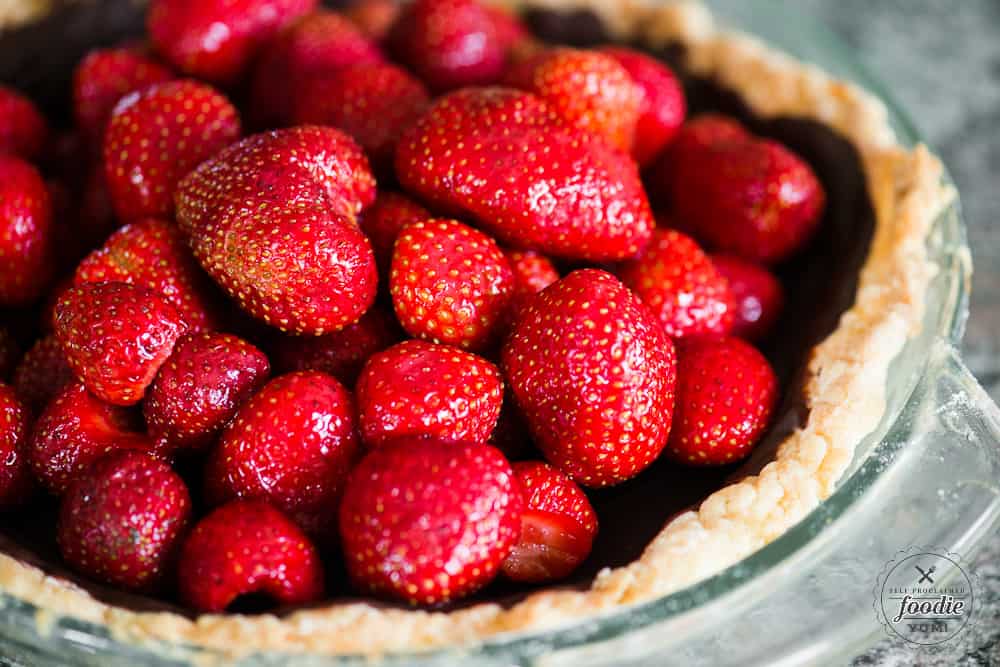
point(123, 521)
point(200, 388)
point(17, 484)
point(758, 295)
point(373, 103)
point(373, 17)
point(156, 136)
point(450, 284)
point(533, 272)
point(116, 336)
point(26, 232)
point(10, 353)
point(42, 374)
point(449, 43)
point(589, 89)
point(726, 394)
point(594, 374)
point(505, 158)
point(428, 521)
point(343, 353)
point(23, 131)
point(292, 444)
point(319, 43)
point(424, 389)
point(102, 78)
point(152, 253)
point(679, 283)
point(661, 102)
point(384, 219)
point(248, 547)
point(216, 40)
point(75, 430)
point(557, 528)
point(47, 316)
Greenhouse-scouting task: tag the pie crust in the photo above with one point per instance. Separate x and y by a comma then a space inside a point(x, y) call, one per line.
point(844, 391)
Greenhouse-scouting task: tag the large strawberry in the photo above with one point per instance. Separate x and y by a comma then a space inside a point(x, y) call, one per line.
point(23, 131)
point(26, 232)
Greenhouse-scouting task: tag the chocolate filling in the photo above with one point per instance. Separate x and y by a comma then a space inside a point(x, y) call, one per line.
point(820, 283)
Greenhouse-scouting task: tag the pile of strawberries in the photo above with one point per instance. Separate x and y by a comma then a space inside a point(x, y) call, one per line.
point(444, 258)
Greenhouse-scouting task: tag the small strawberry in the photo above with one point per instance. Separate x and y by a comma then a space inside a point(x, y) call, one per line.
point(75, 430)
point(661, 102)
point(10, 353)
point(726, 394)
point(427, 522)
point(26, 232)
point(679, 283)
point(506, 159)
point(373, 17)
point(123, 521)
point(450, 284)
point(200, 387)
point(589, 89)
point(216, 40)
point(384, 219)
point(23, 131)
point(17, 484)
point(533, 272)
point(292, 445)
point(594, 374)
point(758, 295)
point(248, 547)
point(116, 336)
point(420, 388)
point(42, 374)
point(557, 527)
point(155, 136)
point(449, 43)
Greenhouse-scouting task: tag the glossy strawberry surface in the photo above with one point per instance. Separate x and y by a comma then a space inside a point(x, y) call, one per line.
point(26, 232)
point(758, 294)
point(533, 272)
point(23, 130)
point(385, 218)
point(42, 373)
point(17, 483)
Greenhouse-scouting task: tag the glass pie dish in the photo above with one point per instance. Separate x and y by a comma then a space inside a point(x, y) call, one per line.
point(928, 475)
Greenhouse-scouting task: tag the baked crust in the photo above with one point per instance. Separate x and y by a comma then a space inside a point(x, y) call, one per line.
point(844, 392)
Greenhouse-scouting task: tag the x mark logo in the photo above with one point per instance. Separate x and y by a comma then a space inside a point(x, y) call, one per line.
point(925, 575)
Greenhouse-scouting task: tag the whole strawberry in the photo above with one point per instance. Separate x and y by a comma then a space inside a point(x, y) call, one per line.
point(200, 387)
point(156, 136)
point(247, 547)
point(557, 527)
point(42, 373)
point(116, 336)
point(217, 40)
point(594, 374)
point(123, 521)
point(292, 444)
point(533, 272)
point(679, 283)
point(17, 483)
point(384, 219)
point(427, 522)
point(450, 284)
point(758, 295)
point(23, 131)
point(726, 394)
point(424, 389)
point(511, 163)
point(75, 430)
point(26, 232)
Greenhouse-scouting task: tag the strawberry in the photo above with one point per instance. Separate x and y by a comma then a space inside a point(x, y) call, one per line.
point(116, 336)
point(533, 272)
point(292, 445)
point(42, 374)
point(319, 43)
point(102, 78)
point(384, 219)
point(557, 527)
point(594, 374)
point(152, 253)
point(679, 283)
point(373, 17)
point(17, 483)
point(200, 388)
point(23, 131)
point(373, 103)
point(589, 89)
point(427, 521)
point(450, 284)
point(420, 388)
point(26, 232)
point(448, 43)
point(123, 520)
point(155, 136)
point(661, 102)
point(511, 32)
point(247, 547)
point(216, 40)
point(506, 159)
point(343, 353)
point(10, 353)
point(726, 394)
point(758, 295)
point(75, 430)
